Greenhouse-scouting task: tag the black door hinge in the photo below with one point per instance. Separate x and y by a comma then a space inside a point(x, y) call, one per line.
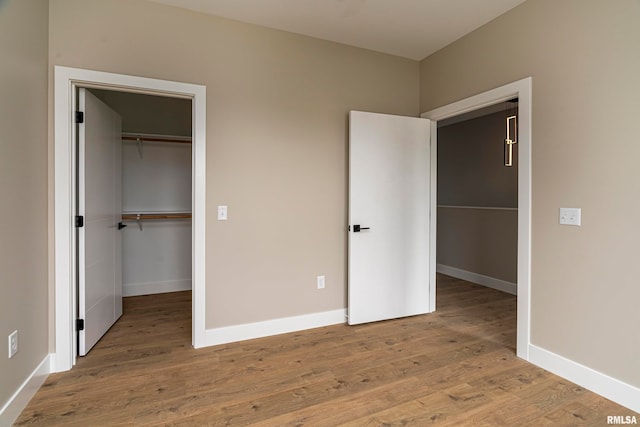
point(79, 221)
point(80, 324)
point(79, 117)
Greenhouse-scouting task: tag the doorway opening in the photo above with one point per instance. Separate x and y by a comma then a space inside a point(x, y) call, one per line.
point(522, 91)
point(149, 251)
point(478, 198)
point(67, 82)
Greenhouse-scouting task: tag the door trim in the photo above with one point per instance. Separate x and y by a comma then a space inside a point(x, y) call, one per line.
point(66, 81)
point(521, 89)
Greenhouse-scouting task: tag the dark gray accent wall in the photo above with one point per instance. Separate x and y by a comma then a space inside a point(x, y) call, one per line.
point(471, 169)
point(471, 178)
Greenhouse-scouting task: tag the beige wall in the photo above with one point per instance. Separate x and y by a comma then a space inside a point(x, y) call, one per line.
point(277, 107)
point(23, 187)
point(584, 60)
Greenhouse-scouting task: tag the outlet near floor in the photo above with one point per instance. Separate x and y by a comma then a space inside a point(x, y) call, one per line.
point(13, 344)
point(320, 282)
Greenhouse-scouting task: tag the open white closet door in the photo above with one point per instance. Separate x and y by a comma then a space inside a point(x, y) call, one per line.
point(100, 205)
point(389, 202)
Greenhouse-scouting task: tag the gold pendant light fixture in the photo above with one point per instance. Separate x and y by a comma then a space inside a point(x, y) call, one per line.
point(512, 130)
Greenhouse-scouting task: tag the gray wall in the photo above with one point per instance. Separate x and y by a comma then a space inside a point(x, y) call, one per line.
point(471, 169)
point(471, 174)
point(23, 188)
point(479, 241)
point(143, 113)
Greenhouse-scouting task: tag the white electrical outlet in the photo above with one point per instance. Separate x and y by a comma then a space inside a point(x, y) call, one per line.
point(13, 344)
point(222, 213)
point(570, 216)
point(320, 282)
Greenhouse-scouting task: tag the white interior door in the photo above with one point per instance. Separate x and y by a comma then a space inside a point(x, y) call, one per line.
point(389, 200)
point(100, 203)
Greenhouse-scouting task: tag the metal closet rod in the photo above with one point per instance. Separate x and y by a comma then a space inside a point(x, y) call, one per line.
point(155, 139)
point(138, 216)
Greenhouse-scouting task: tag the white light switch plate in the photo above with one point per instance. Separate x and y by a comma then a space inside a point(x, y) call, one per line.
point(570, 216)
point(222, 213)
point(13, 344)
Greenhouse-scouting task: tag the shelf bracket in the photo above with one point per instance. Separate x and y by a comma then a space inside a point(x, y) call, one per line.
point(139, 141)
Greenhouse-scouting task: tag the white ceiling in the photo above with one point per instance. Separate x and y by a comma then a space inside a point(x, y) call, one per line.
point(409, 28)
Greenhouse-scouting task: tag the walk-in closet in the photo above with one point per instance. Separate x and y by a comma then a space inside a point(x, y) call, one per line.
point(478, 197)
point(156, 207)
point(156, 181)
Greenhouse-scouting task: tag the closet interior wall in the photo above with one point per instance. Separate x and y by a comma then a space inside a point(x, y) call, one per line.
point(477, 202)
point(156, 179)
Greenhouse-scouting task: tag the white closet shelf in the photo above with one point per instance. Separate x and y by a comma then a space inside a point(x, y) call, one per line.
point(167, 215)
point(487, 208)
point(139, 217)
point(148, 138)
point(140, 138)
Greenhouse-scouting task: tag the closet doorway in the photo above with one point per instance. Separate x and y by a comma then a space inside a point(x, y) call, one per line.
point(67, 82)
point(147, 157)
point(522, 90)
point(478, 197)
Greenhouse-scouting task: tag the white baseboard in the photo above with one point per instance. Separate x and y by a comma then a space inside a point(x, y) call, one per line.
point(622, 393)
point(135, 289)
point(267, 328)
point(490, 282)
point(16, 403)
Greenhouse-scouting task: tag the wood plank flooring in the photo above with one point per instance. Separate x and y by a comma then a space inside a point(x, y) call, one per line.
point(450, 368)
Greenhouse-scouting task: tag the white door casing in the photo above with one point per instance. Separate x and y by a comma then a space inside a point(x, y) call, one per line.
point(389, 192)
point(521, 89)
point(66, 82)
point(100, 204)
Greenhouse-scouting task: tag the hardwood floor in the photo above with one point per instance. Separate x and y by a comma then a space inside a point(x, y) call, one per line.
point(453, 367)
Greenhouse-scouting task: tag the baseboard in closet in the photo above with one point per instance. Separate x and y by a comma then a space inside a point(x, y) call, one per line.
point(135, 289)
point(479, 279)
